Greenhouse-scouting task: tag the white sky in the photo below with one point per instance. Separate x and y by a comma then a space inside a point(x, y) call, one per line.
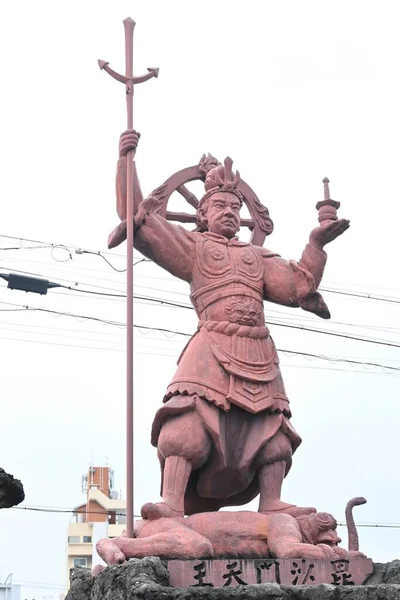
point(293, 91)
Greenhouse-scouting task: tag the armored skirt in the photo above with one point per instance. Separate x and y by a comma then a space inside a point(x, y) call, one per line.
point(234, 385)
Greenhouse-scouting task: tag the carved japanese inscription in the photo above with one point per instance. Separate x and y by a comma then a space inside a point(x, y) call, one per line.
point(234, 572)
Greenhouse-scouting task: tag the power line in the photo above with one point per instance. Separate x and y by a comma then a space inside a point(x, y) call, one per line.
point(70, 512)
point(188, 306)
point(80, 250)
point(116, 294)
point(101, 287)
point(23, 326)
point(68, 268)
point(343, 360)
point(338, 370)
point(361, 295)
point(123, 514)
point(112, 294)
point(138, 349)
point(120, 296)
point(62, 314)
point(337, 334)
point(383, 525)
point(174, 304)
point(181, 333)
point(41, 584)
point(168, 334)
point(173, 354)
point(98, 253)
point(24, 247)
point(52, 244)
point(149, 300)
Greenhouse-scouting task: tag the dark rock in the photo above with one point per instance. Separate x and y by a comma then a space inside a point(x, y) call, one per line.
point(11, 490)
point(137, 577)
point(81, 584)
point(385, 573)
point(147, 579)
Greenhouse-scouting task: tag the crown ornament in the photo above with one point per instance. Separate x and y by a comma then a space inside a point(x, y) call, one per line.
point(221, 178)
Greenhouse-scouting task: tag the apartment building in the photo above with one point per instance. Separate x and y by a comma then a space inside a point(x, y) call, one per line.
point(103, 514)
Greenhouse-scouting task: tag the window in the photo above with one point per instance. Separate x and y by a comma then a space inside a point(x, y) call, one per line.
point(87, 539)
point(80, 562)
point(74, 539)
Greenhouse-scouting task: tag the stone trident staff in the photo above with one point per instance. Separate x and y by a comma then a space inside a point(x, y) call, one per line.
point(130, 81)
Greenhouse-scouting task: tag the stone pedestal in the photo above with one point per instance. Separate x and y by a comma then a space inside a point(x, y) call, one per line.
point(148, 579)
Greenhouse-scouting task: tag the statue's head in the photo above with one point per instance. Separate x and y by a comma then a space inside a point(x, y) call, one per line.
point(219, 208)
point(319, 528)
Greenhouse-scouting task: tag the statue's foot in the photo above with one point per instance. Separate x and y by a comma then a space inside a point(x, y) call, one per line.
point(151, 511)
point(108, 550)
point(277, 507)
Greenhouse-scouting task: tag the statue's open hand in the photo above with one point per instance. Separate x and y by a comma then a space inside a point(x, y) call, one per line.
point(327, 233)
point(128, 141)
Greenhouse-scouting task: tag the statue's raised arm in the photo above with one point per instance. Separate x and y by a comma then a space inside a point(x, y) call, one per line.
point(169, 246)
point(296, 283)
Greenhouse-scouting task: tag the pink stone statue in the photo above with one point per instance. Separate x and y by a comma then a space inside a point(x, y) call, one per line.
point(241, 534)
point(224, 433)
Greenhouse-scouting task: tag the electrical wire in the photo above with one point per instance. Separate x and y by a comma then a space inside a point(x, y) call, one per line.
point(98, 253)
point(174, 304)
point(69, 511)
point(68, 248)
point(75, 287)
point(360, 295)
point(51, 244)
point(282, 315)
point(171, 303)
point(79, 250)
point(24, 247)
point(123, 514)
point(112, 293)
point(331, 359)
point(168, 335)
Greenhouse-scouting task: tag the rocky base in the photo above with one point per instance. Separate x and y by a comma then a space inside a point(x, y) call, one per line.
point(148, 579)
point(11, 490)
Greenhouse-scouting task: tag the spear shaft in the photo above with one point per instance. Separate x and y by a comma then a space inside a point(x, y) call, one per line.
point(129, 80)
point(129, 27)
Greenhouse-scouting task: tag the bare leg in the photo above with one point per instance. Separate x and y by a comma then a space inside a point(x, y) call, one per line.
point(176, 476)
point(183, 445)
point(270, 478)
point(272, 468)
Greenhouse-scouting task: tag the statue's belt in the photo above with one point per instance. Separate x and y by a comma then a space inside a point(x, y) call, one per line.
point(229, 328)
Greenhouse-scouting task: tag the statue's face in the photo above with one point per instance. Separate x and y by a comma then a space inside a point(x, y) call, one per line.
point(330, 538)
point(223, 214)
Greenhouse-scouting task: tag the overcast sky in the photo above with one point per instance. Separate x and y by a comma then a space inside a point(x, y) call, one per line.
point(293, 92)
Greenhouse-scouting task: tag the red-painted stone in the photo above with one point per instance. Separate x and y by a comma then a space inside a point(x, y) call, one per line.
point(242, 534)
point(224, 433)
point(232, 572)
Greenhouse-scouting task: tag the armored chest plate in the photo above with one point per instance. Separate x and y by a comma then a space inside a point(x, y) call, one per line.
point(217, 258)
